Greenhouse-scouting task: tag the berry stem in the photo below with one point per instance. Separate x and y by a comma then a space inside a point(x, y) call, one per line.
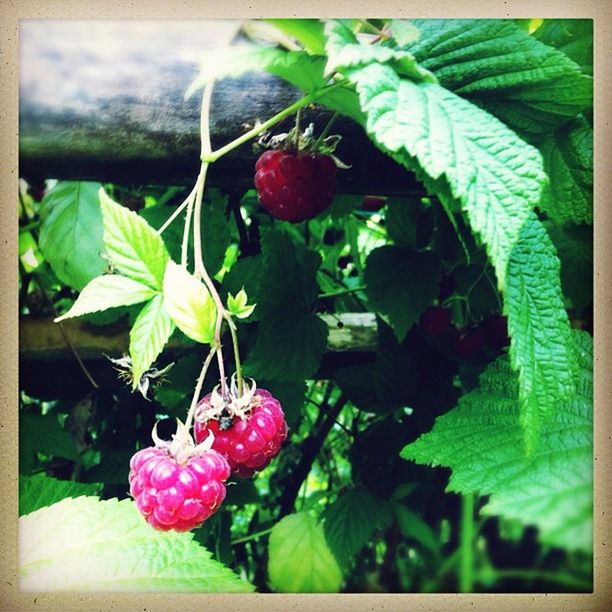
point(233, 331)
point(198, 388)
point(253, 536)
point(178, 211)
point(339, 292)
point(326, 129)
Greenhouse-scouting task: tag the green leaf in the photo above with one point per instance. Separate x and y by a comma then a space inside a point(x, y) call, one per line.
point(351, 520)
point(572, 36)
point(40, 490)
point(459, 151)
point(215, 231)
point(481, 441)
point(108, 291)
point(402, 219)
point(148, 336)
point(542, 347)
point(401, 284)
point(345, 52)
point(44, 434)
point(86, 544)
point(299, 559)
point(71, 232)
point(404, 32)
point(499, 66)
point(189, 304)
point(132, 245)
point(568, 160)
point(296, 67)
point(414, 527)
point(309, 32)
point(237, 305)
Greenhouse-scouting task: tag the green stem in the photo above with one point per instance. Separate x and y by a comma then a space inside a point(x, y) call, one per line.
point(256, 131)
point(29, 226)
point(253, 536)
point(233, 331)
point(342, 292)
point(198, 389)
point(466, 545)
point(178, 211)
point(326, 130)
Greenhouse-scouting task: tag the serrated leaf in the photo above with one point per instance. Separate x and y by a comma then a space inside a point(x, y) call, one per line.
point(71, 232)
point(86, 544)
point(132, 245)
point(572, 36)
point(541, 348)
point(400, 284)
point(502, 68)
point(189, 304)
point(481, 441)
point(296, 67)
point(237, 305)
point(148, 336)
point(44, 434)
point(404, 32)
point(568, 160)
point(309, 32)
point(40, 490)
point(216, 235)
point(459, 151)
point(108, 291)
point(299, 559)
point(413, 526)
point(351, 520)
point(401, 218)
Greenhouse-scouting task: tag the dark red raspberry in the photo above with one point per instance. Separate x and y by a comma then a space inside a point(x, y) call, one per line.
point(177, 496)
point(496, 332)
point(373, 203)
point(469, 345)
point(295, 187)
point(248, 444)
point(435, 320)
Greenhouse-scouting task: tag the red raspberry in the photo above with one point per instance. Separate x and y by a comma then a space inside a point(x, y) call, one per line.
point(177, 496)
point(469, 345)
point(435, 320)
point(295, 187)
point(248, 444)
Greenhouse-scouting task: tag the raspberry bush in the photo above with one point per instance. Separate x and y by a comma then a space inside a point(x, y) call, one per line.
point(313, 389)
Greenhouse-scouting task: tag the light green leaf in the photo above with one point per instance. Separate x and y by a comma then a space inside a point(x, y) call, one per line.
point(40, 490)
point(404, 32)
point(542, 347)
point(299, 559)
point(108, 291)
point(400, 284)
point(481, 441)
point(345, 52)
point(309, 32)
point(238, 306)
point(132, 245)
point(502, 68)
point(148, 336)
point(351, 520)
point(568, 160)
point(71, 232)
point(459, 151)
point(296, 67)
point(86, 544)
point(189, 304)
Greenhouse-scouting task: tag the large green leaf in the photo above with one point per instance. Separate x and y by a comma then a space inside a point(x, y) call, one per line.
point(71, 232)
point(86, 544)
point(40, 490)
point(572, 36)
point(43, 434)
point(481, 441)
point(528, 84)
point(189, 304)
point(351, 520)
point(542, 348)
point(400, 284)
point(309, 32)
point(148, 336)
point(568, 160)
point(108, 291)
point(299, 559)
point(132, 245)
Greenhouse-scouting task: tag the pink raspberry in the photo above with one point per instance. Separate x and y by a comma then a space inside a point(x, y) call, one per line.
point(248, 444)
point(171, 495)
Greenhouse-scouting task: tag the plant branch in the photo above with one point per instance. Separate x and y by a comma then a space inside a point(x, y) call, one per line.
point(253, 536)
point(178, 211)
point(198, 388)
point(466, 545)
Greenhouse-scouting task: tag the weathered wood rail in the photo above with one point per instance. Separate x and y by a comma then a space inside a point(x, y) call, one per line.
point(104, 101)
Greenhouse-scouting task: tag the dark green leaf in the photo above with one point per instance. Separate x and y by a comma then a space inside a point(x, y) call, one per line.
point(572, 36)
point(44, 434)
point(414, 527)
point(402, 218)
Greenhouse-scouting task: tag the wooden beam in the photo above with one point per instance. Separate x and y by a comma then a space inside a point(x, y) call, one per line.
point(104, 101)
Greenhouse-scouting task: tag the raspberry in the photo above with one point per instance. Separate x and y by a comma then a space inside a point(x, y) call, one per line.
point(496, 332)
point(435, 320)
point(295, 187)
point(171, 495)
point(469, 345)
point(250, 443)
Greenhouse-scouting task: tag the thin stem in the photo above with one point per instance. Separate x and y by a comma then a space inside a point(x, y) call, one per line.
point(233, 331)
point(297, 130)
point(198, 388)
point(344, 291)
point(185, 244)
point(326, 129)
point(253, 536)
point(466, 545)
point(177, 212)
point(29, 226)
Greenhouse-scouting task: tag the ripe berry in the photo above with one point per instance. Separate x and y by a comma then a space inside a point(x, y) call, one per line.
point(295, 187)
point(174, 495)
point(373, 203)
point(435, 320)
point(469, 345)
point(496, 332)
point(249, 443)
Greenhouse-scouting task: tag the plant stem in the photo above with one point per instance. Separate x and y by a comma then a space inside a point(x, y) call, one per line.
point(326, 129)
point(177, 212)
point(198, 388)
point(466, 545)
point(233, 332)
point(344, 291)
point(253, 536)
